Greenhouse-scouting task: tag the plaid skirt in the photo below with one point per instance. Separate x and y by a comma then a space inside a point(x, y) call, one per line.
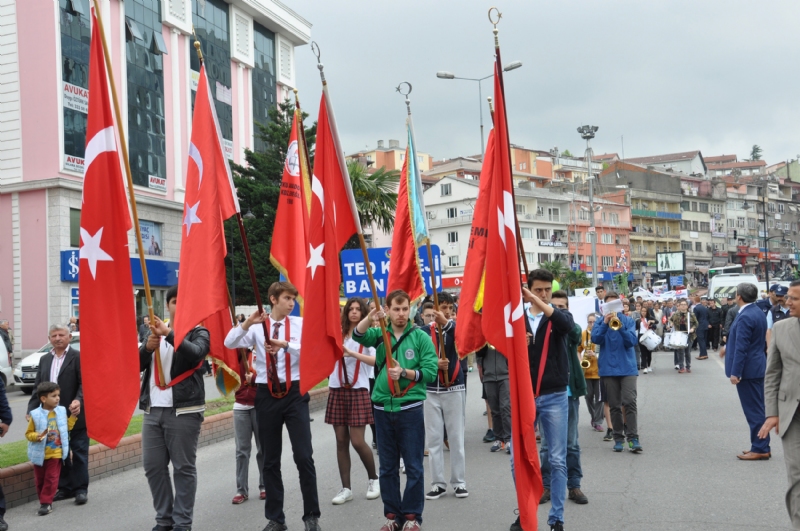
point(348, 407)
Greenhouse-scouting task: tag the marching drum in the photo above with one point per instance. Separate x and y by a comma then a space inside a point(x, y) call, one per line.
point(650, 340)
point(679, 340)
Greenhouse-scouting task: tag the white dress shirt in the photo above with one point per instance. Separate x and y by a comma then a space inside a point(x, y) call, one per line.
point(350, 363)
point(254, 337)
point(58, 362)
point(162, 397)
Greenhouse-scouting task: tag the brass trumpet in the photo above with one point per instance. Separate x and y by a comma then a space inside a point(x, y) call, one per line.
point(585, 363)
point(615, 323)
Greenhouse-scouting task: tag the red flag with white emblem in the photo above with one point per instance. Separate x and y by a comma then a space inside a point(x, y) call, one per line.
point(109, 352)
point(210, 199)
point(333, 221)
point(502, 316)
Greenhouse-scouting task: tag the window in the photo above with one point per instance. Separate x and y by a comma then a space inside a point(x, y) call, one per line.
point(715, 208)
point(530, 258)
point(703, 207)
point(771, 223)
point(523, 165)
point(686, 225)
point(731, 223)
point(780, 208)
point(452, 260)
point(75, 37)
point(694, 206)
point(520, 208)
point(263, 76)
point(452, 213)
point(588, 260)
point(685, 205)
point(751, 223)
point(686, 246)
point(452, 237)
point(74, 227)
point(608, 261)
point(419, 159)
point(614, 219)
point(527, 234)
point(151, 238)
point(705, 226)
point(719, 246)
point(574, 237)
point(620, 240)
point(430, 214)
point(607, 238)
point(740, 222)
point(146, 126)
point(210, 19)
point(544, 257)
point(444, 189)
point(771, 207)
point(583, 215)
point(554, 214)
point(698, 246)
point(589, 237)
point(694, 225)
point(543, 234)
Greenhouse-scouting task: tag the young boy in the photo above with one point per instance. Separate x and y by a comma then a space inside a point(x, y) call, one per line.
point(48, 442)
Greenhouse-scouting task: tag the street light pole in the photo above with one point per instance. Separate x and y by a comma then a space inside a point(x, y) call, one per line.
point(587, 133)
point(766, 242)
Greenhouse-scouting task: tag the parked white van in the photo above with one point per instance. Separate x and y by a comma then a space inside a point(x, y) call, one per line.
point(723, 286)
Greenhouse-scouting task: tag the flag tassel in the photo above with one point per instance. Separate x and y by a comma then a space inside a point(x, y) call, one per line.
point(126, 162)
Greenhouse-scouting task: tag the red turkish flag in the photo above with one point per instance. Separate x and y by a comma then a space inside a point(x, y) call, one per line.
point(332, 223)
point(209, 199)
point(503, 316)
point(469, 333)
point(289, 249)
point(109, 352)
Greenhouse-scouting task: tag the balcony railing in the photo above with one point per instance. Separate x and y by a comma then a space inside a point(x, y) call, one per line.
point(450, 221)
point(655, 214)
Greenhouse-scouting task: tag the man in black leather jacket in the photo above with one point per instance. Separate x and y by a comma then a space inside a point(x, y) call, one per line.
point(173, 416)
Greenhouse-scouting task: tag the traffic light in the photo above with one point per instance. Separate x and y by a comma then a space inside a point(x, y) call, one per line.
point(735, 234)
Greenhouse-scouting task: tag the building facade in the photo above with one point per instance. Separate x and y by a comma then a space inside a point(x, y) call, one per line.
point(703, 224)
point(249, 54)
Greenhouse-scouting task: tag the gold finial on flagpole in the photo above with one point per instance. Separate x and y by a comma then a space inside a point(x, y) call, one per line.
point(197, 46)
point(494, 17)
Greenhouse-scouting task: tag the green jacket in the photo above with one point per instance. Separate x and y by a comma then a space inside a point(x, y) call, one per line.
point(415, 352)
point(577, 383)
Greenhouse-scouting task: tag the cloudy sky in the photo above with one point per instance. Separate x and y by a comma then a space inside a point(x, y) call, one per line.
point(668, 76)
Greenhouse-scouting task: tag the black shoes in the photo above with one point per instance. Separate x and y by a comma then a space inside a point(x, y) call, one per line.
point(3, 524)
point(545, 497)
point(272, 525)
point(558, 526)
point(435, 493)
point(81, 498)
point(489, 437)
point(45, 509)
point(461, 492)
point(160, 527)
point(62, 495)
point(312, 524)
point(516, 526)
point(609, 435)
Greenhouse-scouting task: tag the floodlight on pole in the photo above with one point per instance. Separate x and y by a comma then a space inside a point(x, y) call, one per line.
point(512, 66)
point(587, 133)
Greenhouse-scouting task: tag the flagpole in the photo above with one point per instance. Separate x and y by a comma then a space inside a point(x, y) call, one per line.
point(240, 223)
point(387, 342)
point(127, 164)
point(520, 248)
point(413, 152)
point(305, 159)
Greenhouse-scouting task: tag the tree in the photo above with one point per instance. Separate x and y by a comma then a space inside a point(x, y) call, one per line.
point(375, 194)
point(755, 152)
point(576, 280)
point(258, 187)
point(557, 268)
point(622, 283)
point(566, 153)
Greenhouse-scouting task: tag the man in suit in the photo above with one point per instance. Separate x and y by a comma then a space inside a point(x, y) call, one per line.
point(62, 365)
point(701, 312)
point(745, 365)
point(782, 395)
point(547, 329)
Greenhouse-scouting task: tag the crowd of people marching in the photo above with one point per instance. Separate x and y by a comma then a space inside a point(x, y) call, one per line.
point(414, 401)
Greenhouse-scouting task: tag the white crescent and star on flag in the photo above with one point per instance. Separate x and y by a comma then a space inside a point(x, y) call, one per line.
point(315, 255)
point(91, 250)
point(191, 217)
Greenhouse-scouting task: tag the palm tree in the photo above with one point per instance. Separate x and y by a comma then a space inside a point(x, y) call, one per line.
point(375, 194)
point(557, 268)
point(576, 280)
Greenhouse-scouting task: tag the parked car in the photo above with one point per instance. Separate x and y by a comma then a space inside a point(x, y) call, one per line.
point(25, 373)
point(6, 371)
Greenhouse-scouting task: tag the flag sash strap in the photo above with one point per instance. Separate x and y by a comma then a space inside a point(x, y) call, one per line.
point(179, 379)
point(543, 361)
point(287, 362)
point(343, 380)
point(442, 374)
point(393, 389)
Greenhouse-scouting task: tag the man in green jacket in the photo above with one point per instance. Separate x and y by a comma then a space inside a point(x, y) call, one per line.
point(576, 389)
point(398, 408)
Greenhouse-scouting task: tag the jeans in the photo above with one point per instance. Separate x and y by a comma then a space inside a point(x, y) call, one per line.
point(245, 427)
point(621, 392)
point(574, 471)
point(446, 410)
point(683, 358)
point(552, 412)
point(402, 434)
point(167, 439)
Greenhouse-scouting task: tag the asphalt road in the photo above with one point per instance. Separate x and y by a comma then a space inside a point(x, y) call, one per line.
point(19, 407)
point(687, 478)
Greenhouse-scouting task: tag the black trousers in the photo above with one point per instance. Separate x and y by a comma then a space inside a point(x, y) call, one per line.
point(713, 336)
point(272, 413)
point(2, 502)
point(75, 478)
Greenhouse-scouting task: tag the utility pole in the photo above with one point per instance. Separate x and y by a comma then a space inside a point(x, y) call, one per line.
point(587, 133)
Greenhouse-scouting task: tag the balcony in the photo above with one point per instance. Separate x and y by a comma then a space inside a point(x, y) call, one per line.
point(655, 214)
point(458, 220)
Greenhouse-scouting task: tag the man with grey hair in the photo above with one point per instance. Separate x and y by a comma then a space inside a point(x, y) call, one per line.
point(62, 365)
point(745, 365)
point(5, 334)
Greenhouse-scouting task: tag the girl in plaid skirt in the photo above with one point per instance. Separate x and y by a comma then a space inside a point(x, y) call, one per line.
point(349, 406)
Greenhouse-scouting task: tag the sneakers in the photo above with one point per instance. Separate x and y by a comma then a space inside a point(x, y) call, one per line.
point(272, 525)
point(461, 492)
point(239, 499)
point(3, 524)
point(516, 526)
point(597, 427)
point(557, 526)
point(688, 369)
point(374, 445)
point(391, 524)
point(435, 493)
point(402, 466)
point(489, 437)
point(497, 446)
point(635, 447)
point(618, 446)
point(578, 496)
point(609, 435)
point(411, 525)
point(677, 367)
point(312, 524)
point(508, 447)
point(45, 509)
point(373, 489)
point(545, 496)
point(345, 495)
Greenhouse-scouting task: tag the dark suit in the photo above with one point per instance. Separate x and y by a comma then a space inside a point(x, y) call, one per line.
point(73, 479)
point(701, 312)
point(744, 358)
